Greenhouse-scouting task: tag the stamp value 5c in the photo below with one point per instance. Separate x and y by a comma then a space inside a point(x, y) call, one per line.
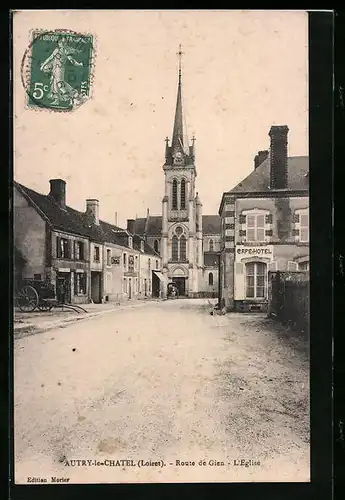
point(56, 69)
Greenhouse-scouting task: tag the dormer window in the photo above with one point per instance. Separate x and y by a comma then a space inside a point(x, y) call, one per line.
point(130, 241)
point(142, 247)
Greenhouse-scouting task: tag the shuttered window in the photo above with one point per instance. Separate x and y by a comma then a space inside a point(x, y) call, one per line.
point(304, 227)
point(255, 227)
point(301, 225)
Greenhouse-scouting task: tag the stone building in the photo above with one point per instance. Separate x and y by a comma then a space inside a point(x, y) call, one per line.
point(85, 258)
point(265, 224)
point(187, 240)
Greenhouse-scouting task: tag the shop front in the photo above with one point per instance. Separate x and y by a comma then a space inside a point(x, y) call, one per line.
point(252, 264)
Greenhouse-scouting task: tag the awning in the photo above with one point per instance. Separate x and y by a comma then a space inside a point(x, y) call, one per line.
point(161, 277)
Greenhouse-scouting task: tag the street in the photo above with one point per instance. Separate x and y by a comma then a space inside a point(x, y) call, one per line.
point(162, 382)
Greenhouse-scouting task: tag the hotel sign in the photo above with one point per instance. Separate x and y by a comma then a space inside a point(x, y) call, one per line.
point(244, 252)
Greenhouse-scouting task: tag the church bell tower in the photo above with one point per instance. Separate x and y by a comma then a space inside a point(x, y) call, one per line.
point(181, 242)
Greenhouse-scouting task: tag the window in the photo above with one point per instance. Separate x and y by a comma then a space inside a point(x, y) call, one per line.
point(174, 248)
point(183, 194)
point(131, 263)
point(149, 286)
point(80, 284)
point(157, 266)
point(255, 227)
point(130, 241)
point(79, 250)
point(179, 246)
point(255, 280)
point(125, 260)
point(124, 285)
point(108, 257)
point(292, 266)
point(136, 263)
point(301, 225)
point(211, 246)
point(96, 254)
point(210, 279)
point(183, 246)
point(149, 264)
point(303, 266)
point(63, 249)
point(155, 246)
point(174, 194)
point(37, 277)
point(142, 246)
point(304, 227)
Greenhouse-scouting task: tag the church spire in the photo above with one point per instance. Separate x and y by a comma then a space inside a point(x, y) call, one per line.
point(177, 137)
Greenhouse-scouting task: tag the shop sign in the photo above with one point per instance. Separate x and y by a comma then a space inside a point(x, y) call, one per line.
point(243, 252)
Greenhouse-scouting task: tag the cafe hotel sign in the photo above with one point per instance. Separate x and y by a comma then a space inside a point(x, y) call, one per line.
point(248, 252)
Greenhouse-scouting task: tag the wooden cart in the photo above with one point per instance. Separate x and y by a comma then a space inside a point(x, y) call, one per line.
point(33, 294)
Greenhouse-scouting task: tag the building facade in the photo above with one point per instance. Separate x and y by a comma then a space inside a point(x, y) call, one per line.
point(85, 258)
point(265, 225)
point(178, 234)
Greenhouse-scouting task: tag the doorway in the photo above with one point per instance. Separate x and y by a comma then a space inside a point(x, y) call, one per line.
point(181, 285)
point(155, 285)
point(63, 288)
point(96, 295)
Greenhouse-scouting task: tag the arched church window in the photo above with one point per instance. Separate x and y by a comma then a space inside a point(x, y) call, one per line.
point(155, 246)
point(183, 246)
point(174, 248)
point(210, 279)
point(211, 246)
point(183, 194)
point(174, 194)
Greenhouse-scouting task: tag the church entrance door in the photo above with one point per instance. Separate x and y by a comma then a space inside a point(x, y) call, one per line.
point(181, 285)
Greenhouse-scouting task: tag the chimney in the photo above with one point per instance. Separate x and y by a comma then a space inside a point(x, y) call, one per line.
point(115, 221)
point(130, 225)
point(58, 191)
point(92, 210)
point(278, 155)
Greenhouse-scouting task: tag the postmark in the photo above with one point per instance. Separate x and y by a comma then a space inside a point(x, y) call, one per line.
point(57, 69)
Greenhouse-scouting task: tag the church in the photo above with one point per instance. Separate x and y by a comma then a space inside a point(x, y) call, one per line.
point(187, 241)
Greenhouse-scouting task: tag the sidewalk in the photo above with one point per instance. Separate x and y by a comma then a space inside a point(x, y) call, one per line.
point(25, 324)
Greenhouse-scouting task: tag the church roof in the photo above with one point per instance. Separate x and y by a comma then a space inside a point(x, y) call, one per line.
point(211, 224)
point(259, 179)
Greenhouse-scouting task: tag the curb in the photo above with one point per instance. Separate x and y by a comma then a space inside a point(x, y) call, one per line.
point(21, 331)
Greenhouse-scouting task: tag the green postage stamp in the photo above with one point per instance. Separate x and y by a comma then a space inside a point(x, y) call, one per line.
point(57, 69)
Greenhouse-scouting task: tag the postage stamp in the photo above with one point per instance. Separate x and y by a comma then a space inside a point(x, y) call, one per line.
point(57, 69)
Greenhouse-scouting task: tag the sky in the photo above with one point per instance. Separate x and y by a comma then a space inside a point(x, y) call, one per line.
point(242, 71)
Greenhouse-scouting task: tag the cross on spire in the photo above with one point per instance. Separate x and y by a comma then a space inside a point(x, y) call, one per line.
point(180, 54)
